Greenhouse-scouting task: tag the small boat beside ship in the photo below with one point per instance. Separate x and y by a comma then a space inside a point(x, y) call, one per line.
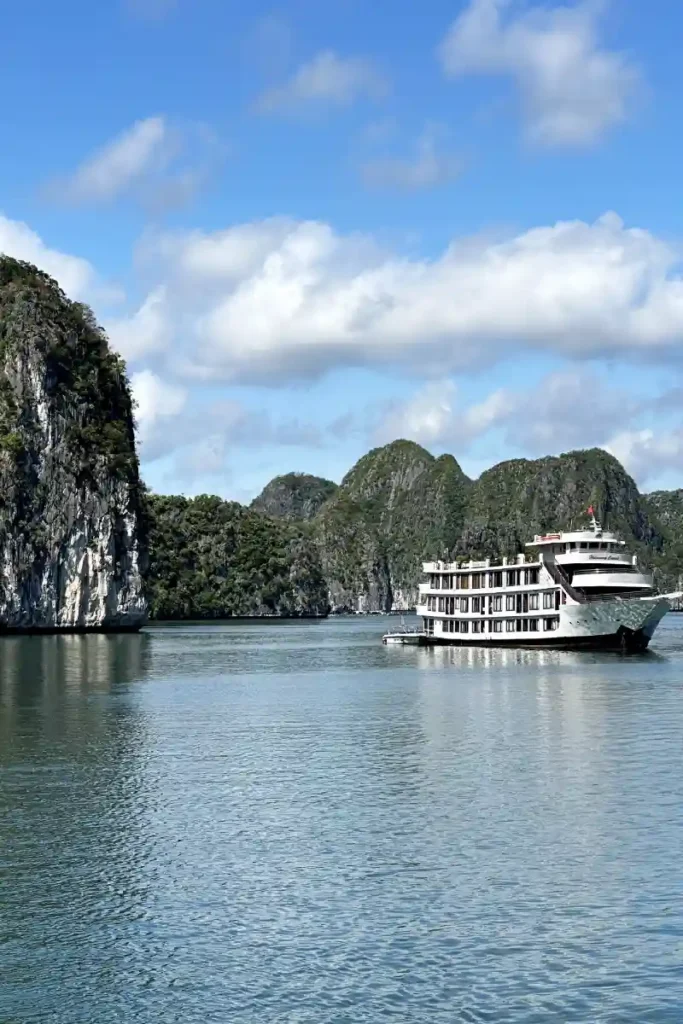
point(578, 589)
point(403, 636)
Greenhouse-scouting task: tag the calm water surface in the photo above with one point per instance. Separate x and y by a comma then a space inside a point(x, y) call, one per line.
point(290, 822)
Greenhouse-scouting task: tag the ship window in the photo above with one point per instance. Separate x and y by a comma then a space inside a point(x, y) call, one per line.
point(476, 626)
point(476, 604)
point(533, 602)
point(498, 603)
point(551, 624)
point(464, 604)
point(533, 625)
point(510, 625)
point(464, 627)
point(548, 599)
point(440, 604)
point(497, 625)
point(476, 581)
point(510, 603)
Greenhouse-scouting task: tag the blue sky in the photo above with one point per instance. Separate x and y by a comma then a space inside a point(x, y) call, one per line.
point(313, 228)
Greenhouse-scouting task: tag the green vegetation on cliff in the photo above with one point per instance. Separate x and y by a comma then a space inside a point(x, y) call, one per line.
point(84, 382)
point(213, 559)
point(396, 506)
point(511, 502)
point(399, 506)
point(667, 508)
point(294, 496)
point(72, 529)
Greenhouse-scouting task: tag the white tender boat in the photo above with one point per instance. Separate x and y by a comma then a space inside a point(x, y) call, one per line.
point(403, 636)
point(577, 589)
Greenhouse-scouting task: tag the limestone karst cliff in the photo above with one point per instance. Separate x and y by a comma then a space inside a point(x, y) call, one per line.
point(72, 528)
point(294, 496)
point(399, 505)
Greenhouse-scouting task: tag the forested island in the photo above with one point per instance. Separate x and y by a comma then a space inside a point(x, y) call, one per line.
point(84, 546)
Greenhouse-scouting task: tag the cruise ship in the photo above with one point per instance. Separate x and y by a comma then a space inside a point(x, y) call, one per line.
point(579, 589)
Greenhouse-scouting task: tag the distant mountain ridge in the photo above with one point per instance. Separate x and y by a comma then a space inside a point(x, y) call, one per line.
point(294, 496)
point(400, 505)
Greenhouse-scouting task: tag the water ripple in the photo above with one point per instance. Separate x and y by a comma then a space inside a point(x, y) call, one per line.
point(290, 822)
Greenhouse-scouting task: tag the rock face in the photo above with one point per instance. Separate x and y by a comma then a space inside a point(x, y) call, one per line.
point(666, 507)
point(294, 496)
point(511, 502)
point(72, 529)
point(214, 559)
point(397, 506)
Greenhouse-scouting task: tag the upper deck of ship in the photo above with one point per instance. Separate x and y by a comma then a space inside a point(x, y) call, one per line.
point(578, 540)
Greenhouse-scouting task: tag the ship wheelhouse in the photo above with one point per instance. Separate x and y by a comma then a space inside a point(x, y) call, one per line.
point(594, 562)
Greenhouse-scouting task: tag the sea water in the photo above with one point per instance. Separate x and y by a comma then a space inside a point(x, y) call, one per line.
point(291, 822)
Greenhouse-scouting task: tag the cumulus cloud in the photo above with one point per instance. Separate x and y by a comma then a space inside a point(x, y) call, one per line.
point(172, 420)
point(146, 331)
point(427, 168)
point(646, 453)
point(279, 300)
point(160, 163)
point(76, 276)
point(326, 80)
point(569, 408)
point(158, 404)
point(572, 89)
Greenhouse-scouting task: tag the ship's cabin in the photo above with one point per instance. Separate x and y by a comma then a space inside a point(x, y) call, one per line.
point(595, 561)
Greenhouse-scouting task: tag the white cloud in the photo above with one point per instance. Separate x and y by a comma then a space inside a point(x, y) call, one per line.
point(570, 408)
point(147, 330)
point(427, 417)
point(160, 164)
point(327, 80)
point(157, 403)
point(572, 89)
point(123, 162)
point(647, 453)
point(426, 169)
point(279, 300)
point(76, 276)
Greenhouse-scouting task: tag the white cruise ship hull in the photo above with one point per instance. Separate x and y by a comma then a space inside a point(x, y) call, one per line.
point(622, 624)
